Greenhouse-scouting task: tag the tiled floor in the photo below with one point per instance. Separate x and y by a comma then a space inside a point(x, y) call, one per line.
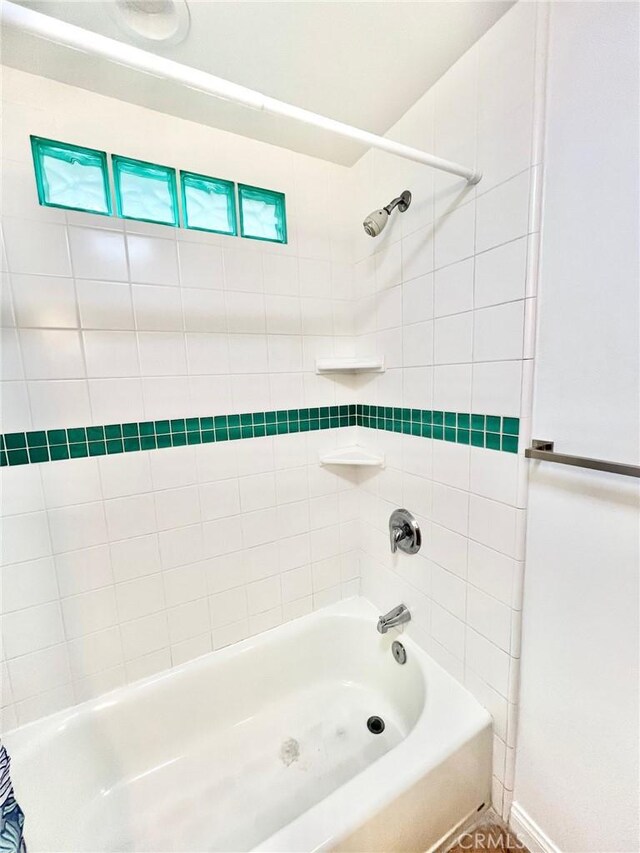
point(490, 833)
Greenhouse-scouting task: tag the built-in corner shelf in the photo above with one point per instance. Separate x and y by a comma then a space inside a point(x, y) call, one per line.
point(360, 364)
point(352, 455)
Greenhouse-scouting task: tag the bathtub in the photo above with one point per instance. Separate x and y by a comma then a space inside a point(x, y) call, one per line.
point(263, 746)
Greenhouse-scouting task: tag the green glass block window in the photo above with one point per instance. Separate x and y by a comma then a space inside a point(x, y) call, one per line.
point(71, 177)
point(262, 214)
point(208, 204)
point(145, 191)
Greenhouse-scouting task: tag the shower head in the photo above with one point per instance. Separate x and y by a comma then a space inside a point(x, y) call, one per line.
point(376, 221)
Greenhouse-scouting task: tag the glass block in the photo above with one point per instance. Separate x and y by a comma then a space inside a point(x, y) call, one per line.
point(262, 214)
point(208, 204)
point(145, 191)
point(71, 177)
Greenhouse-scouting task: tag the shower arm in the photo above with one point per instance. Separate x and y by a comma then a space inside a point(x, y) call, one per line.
point(402, 202)
point(60, 32)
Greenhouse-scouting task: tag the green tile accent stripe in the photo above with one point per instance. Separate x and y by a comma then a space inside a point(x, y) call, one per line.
point(22, 448)
point(493, 432)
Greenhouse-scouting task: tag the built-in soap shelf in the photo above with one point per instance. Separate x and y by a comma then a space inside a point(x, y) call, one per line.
point(357, 364)
point(354, 455)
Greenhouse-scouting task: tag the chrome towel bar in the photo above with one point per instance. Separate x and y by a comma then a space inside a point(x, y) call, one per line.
point(543, 450)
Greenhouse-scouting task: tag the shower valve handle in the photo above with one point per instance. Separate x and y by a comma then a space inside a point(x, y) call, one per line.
point(404, 532)
point(396, 535)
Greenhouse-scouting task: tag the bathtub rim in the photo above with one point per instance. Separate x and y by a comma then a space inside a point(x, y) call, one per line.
point(356, 607)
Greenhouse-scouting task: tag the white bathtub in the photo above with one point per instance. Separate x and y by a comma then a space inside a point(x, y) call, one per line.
point(264, 746)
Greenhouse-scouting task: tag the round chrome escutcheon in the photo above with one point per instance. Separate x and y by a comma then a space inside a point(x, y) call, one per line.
point(399, 652)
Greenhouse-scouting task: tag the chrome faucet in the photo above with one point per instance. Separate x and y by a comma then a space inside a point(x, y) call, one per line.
point(397, 616)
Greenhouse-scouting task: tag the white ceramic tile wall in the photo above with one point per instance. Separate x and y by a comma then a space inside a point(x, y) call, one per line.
point(137, 563)
point(443, 295)
point(118, 567)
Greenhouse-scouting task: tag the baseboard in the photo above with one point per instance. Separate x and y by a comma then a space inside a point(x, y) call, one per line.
point(529, 832)
point(449, 839)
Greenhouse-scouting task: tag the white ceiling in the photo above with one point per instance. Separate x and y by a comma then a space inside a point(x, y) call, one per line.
point(361, 62)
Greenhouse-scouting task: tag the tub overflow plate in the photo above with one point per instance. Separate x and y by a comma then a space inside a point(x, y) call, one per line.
point(399, 652)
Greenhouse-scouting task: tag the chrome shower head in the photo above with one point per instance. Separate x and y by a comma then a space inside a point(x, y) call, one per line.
point(376, 221)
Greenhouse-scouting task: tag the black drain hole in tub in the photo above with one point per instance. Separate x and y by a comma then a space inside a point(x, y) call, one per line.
point(375, 725)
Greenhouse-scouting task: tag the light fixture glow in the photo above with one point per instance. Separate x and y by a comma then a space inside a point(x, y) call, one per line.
point(152, 21)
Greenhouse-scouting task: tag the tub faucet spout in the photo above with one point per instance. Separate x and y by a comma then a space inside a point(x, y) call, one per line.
point(397, 616)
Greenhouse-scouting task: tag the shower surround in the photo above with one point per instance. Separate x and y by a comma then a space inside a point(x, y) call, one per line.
point(120, 566)
point(447, 295)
